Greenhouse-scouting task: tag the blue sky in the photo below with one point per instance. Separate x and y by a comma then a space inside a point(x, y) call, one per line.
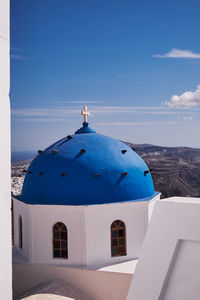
point(125, 60)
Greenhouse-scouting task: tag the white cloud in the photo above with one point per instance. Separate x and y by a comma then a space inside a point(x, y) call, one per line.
point(55, 113)
point(48, 112)
point(188, 118)
point(95, 110)
point(123, 76)
point(43, 120)
point(76, 102)
point(18, 57)
point(136, 123)
point(177, 53)
point(185, 100)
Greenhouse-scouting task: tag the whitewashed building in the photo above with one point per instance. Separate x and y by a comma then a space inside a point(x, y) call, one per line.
point(84, 202)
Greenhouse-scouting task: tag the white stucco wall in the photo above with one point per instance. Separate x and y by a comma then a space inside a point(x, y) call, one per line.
point(89, 241)
point(169, 265)
point(152, 205)
point(98, 220)
point(43, 219)
point(38, 221)
point(21, 209)
point(5, 190)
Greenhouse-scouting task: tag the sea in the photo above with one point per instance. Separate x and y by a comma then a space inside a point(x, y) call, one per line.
point(22, 155)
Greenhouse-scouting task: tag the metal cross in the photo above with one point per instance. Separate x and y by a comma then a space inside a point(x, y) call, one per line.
point(85, 113)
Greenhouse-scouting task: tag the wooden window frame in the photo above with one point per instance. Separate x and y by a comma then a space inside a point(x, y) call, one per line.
point(121, 249)
point(60, 240)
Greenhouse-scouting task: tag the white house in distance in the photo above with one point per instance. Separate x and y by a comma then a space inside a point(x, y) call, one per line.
point(84, 203)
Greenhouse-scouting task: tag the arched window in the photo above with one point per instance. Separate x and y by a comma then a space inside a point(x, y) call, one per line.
point(60, 242)
point(20, 232)
point(118, 238)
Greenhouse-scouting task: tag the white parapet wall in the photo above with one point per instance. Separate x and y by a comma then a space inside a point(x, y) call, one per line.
point(5, 190)
point(169, 265)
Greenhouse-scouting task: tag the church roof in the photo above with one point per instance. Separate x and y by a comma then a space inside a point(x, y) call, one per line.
point(87, 168)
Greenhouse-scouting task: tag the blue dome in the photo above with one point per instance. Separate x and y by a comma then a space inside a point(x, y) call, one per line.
point(87, 168)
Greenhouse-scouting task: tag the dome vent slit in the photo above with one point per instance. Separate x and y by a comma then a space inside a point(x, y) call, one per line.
point(82, 151)
point(96, 175)
point(124, 173)
point(54, 151)
point(69, 137)
point(124, 151)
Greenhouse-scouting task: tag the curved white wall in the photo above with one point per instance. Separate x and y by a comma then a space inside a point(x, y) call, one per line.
point(89, 243)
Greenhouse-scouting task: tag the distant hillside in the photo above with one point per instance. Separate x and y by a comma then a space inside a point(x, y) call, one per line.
point(175, 171)
point(17, 175)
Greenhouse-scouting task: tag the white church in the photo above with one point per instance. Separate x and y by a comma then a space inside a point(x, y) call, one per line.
point(84, 202)
point(85, 212)
point(88, 223)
